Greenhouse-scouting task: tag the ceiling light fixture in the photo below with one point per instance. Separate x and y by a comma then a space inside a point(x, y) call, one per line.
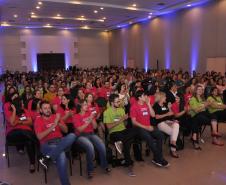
point(40, 3)
point(37, 7)
point(82, 16)
point(95, 11)
point(150, 13)
point(189, 5)
point(102, 8)
point(32, 13)
point(5, 24)
point(149, 17)
point(85, 27)
point(104, 18)
point(134, 5)
point(15, 15)
point(58, 15)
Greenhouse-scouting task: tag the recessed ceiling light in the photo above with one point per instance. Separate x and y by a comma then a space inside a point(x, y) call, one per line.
point(134, 5)
point(66, 28)
point(150, 13)
point(149, 17)
point(15, 15)
point(104, 18)
point(86, 27)
point(95, 11)
point(37, 7)
point(58, 15)
point(189, 5)
point(32, 13)
point(40, 3)
point(102, 8)
point(82, 16)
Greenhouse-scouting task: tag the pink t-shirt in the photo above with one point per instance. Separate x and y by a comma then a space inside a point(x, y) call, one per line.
point(175, 108)
point(42, 124)
point(141, 113)
point(92, 91)
point(56, 101)
point(8, 114)
point(152, 99)
point(62, 113)
point(104, 92)
point(79, 120)
point(132, 100)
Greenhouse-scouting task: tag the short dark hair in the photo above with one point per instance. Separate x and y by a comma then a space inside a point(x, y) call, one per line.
point(112, 98)
point(139, 93)
point(44, 102)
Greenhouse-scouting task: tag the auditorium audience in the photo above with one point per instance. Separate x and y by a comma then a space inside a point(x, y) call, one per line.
point(134, 106)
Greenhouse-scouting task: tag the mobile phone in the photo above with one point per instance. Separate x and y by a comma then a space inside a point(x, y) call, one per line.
point(22, 118)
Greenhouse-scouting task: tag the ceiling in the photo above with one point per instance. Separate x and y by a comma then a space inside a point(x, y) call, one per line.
point(86, 14)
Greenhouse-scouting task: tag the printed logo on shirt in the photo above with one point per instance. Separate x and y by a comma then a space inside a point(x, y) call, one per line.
point(144, 111)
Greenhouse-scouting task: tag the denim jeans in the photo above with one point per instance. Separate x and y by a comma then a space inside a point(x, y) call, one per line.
point(88, 142)
point(56, 150)
point(154, 141)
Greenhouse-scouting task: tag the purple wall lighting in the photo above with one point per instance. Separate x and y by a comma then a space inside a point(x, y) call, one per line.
point(146, 55)
point(167, 53)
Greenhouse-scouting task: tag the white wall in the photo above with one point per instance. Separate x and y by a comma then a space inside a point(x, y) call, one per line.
point(85, 48)
point(183, 39)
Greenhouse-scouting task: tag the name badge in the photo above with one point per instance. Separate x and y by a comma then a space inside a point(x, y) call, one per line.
point(164, 108)
point(145, 113)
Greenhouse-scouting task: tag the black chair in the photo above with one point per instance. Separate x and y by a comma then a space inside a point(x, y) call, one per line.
point(68, 155)
point(77, 151)
point(11, 144)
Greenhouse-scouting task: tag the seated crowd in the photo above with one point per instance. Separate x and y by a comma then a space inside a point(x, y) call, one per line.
point(58, 111)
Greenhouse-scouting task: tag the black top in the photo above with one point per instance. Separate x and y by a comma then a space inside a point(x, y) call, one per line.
point(160, 111)
point(170, 97)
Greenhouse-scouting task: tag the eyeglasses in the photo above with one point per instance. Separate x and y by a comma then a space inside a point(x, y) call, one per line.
point(117, 102)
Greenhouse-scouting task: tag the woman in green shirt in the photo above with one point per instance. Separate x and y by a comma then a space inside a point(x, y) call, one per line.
point(217, 108)
point(198, 107)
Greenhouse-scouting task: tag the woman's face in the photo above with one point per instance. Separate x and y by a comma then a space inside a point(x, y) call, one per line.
point(27, 90)
point(163, 98)
point(84, 106)
point(64, 100)
point(199, 91)
point(81, 94)
point(38, 94)
point(60, 92)
point(90, 98)
point(215, 92)
point(123, 88)
point(177, 99)
point(11, 91)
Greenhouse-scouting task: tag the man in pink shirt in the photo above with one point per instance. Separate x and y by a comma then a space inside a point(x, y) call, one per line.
point(53, 145)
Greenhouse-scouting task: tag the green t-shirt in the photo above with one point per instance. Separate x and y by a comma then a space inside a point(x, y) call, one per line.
point(216, 100)
point(194, 104)
point(112, 115)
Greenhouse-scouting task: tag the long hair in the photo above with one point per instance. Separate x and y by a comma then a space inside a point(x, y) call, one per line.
point(195, 93)
point(71, 104)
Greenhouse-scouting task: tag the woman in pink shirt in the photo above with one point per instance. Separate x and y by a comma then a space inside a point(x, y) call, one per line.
point(57, 100)
point(19, 127)
point(84, 124)
point(67, 111)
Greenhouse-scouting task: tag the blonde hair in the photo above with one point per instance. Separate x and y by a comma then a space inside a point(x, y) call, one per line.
point(159, 96)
